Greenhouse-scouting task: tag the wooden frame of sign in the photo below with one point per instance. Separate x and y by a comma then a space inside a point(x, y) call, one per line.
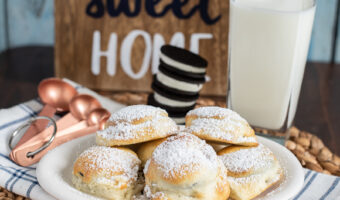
point(113, 45)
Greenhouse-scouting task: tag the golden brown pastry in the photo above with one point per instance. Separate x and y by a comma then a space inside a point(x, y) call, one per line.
point(251, 170)
point(106, 172)
point(185, 167)
point(218, 124)
point(146, 149)
point(218, 146)
point(136, 124)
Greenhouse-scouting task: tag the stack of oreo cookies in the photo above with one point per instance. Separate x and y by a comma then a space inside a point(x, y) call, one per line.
point(177, 84)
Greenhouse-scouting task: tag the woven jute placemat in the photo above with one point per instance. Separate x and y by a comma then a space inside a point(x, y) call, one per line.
point(308, 148)
point(7, 195)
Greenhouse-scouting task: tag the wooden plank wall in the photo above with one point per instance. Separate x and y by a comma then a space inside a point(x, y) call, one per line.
point(31, 22)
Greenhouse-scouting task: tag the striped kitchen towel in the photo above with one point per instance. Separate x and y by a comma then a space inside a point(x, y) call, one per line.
point(23, 181)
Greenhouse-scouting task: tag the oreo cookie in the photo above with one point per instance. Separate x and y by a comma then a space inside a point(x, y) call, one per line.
point(172, 93)
point(179, 121)
point(176, 86)
point(177, 114)
point(183, 56)
point(181, 72)
point(175, 111)
point(181, 76)
point(179, 118)
point(172, 102)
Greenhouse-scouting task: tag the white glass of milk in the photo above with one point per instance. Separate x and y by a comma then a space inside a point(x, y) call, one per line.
point(268, 46)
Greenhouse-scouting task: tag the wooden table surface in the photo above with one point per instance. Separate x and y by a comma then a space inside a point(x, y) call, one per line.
point(318, 111)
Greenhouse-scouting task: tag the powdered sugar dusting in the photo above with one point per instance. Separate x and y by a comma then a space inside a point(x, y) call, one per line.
point(124, 130)
point(228, 125)
point(248, 159)
point(224, 129)
point(278, 188)
point(250, 179)
point(105, 160)
point(157, 195)
point(214, 111)
point(135, 112)
point(184, 153)
point(147, 191)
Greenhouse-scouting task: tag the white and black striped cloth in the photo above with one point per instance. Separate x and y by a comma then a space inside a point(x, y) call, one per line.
point(23, 181)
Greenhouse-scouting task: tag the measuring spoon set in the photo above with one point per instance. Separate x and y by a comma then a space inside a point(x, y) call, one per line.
point(84, 115)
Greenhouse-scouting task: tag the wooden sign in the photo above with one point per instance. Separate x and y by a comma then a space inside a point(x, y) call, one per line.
point(113, 45)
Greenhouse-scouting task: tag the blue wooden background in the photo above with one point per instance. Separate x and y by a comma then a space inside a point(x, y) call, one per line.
point(31, 22)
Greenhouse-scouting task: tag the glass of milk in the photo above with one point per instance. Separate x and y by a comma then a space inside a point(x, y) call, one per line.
point(268, 46)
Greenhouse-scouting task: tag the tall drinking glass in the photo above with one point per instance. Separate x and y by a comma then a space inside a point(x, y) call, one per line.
point(268, 46)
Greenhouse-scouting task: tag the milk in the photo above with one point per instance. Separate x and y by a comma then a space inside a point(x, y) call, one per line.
point(268, 46)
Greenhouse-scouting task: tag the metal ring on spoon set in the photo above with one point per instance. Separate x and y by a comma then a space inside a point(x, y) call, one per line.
point(45, 145)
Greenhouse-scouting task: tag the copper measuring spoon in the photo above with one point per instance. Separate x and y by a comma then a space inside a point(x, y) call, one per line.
point(94, 121)
point(56, 94)
point(80, 106)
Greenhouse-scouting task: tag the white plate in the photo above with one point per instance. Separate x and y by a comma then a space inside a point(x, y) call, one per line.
point(54, 171)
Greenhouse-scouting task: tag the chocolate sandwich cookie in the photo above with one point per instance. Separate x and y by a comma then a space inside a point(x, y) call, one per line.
point(179, 82)
point(179, 120)
point(172, 102)
point(172, 93)
point(171, 109)
point(178, 117)
point(181, 76)
point(181, 72)
point(183, 59)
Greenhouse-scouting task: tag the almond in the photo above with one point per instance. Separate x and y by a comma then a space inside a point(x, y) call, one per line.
point(305, 142)
point(290, 145)
point(325, 155)
point(316, 143)
point(313, 166)
point(326, 172)
point(309, 158)
point(294, 132)
point(331, 167)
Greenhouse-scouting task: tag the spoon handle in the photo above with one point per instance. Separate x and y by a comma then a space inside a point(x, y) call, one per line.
point(75, 131)
point(63, 123)
point(37, 126)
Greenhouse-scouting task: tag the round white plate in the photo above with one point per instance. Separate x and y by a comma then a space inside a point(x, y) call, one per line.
point(54, 170)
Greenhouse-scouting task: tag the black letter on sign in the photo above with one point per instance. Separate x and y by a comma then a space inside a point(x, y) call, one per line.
point(177, 9)
point(205, 15)
point(150, 8)
point(123, 6)
point(95, 4)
